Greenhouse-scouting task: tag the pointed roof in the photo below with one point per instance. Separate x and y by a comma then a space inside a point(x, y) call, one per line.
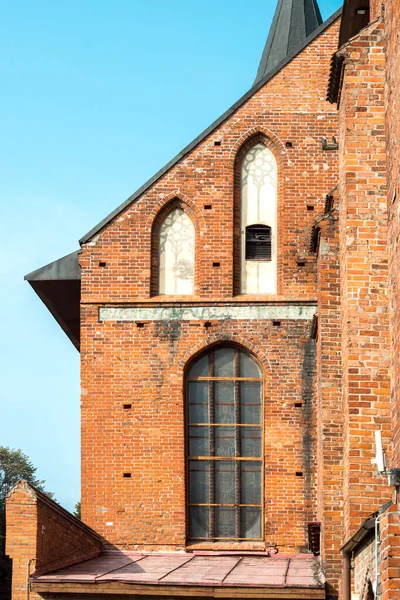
point(58, 284)
point(293, 22)
point(262, 80)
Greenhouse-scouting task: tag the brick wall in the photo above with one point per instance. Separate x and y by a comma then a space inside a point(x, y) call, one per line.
point(392, 22)
point(390, 553)
point(329, 399)
point(145, 366)
point(122, 363)
point(290, 108)
point(364, 277)
point(42, 536)
point(375, 9)
point(364, 566)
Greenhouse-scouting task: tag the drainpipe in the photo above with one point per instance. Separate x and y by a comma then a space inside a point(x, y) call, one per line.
point(366, 529)
point(377, 557)
point(346, 577)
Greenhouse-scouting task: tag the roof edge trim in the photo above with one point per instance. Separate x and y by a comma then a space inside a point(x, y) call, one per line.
point(65, 268)
point(317, 32)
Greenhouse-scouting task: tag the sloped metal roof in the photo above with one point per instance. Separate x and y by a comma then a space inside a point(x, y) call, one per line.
point(254, 573)
point(58, 285)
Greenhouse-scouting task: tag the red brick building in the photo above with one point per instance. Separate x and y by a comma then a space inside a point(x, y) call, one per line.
point(233, 318)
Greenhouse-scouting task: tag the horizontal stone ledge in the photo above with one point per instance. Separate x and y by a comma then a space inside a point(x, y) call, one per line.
point(209, 313)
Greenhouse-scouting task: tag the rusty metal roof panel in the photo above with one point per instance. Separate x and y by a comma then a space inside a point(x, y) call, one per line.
point(190, 569)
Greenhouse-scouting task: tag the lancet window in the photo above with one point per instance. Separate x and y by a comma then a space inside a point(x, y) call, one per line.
point(225, 446)
point(176, 254)
point(258, 221)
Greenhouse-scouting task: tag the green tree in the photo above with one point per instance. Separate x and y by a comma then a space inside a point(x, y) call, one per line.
point(77, 510)
point(14, 465)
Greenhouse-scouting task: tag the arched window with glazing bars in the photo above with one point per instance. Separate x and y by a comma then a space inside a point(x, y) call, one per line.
point(225, 446)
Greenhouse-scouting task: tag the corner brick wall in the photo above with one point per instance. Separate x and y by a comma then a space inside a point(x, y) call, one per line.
point(43, 534)
point(375, 10)
point(329, 400)
point(392, 29)
point(364, 566)
point(364, 275)
point(390, 553)
point(122, 363)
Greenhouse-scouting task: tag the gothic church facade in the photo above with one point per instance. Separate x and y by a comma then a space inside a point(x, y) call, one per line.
point(233, 319)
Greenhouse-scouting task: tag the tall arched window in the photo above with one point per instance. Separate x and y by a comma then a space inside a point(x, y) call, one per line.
point(176, 247)
point(258, 222)
point(225, 447)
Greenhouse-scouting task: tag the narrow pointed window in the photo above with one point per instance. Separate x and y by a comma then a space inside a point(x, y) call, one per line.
point(258, 222)
point(225, 447)
point(176, 254)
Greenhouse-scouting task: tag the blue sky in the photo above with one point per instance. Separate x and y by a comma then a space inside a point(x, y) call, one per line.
point(96, 97)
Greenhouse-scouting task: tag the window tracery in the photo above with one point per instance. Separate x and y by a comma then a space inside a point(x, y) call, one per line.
point(176, 254)
point(258, 209)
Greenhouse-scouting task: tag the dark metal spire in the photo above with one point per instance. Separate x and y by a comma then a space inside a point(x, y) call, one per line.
point(293, 22)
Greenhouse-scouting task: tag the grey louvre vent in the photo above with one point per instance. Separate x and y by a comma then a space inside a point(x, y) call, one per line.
point(258, 242)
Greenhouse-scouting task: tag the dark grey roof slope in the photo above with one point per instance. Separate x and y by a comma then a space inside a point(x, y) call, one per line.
point(293, 22)
point(256, 86)
point(58, 285)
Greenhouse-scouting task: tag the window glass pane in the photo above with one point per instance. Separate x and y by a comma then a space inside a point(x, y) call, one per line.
point(176, 254)
point(199, 519)
point(250, 522)
point(200, 368)
point(224, 482)
point(216, 427)
point(198, 402)
point(199, 487)
point(224, 362)
point(225, 441)
point(250, 438)
point(250, 402)
point(225, 522)
point(259, 206)
point(250, 482)
point(248, 366)
point(224, 402)
point(199, 441)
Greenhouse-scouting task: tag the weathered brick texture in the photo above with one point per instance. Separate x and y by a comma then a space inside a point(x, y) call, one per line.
point(390, 553)
point(329, 397)
point(365, 566)
point(42, 536)
point(392, 23)
point(145, 366)
point(364, 276)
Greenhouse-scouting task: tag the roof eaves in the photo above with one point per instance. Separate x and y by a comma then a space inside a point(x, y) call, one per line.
point(212, 127)
point(364, 530)
point(65, 268)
